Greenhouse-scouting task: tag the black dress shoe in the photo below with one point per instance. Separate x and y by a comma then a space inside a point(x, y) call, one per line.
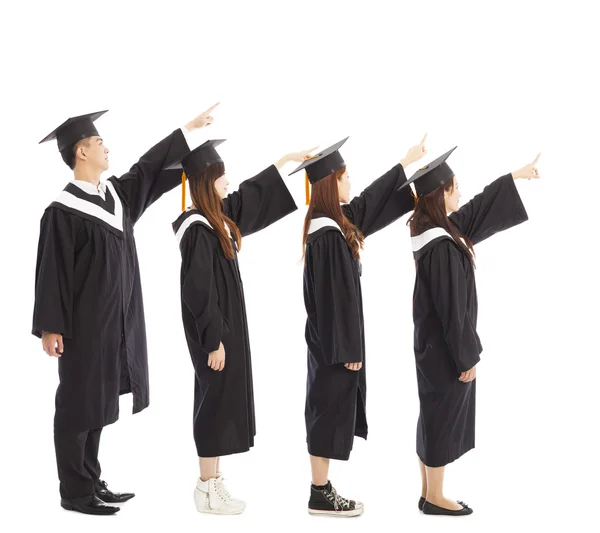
point(88, 505)
point(429, 508)
point(108, 496)
point(421, 503)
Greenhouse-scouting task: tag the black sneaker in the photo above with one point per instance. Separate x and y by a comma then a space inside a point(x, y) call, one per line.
point(325, 501)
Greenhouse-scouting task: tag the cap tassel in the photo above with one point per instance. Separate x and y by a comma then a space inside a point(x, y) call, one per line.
point(307, 185)
point(183, 180)
point(416, 197)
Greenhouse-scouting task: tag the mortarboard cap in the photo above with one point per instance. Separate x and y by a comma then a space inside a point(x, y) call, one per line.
point(428, 178)
point(319, 166)
point(198, 159)
point(74, 129)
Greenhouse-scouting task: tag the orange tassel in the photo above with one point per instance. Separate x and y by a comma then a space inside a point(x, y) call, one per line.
point(307, 185)
point(183, 179)
point(415, 197)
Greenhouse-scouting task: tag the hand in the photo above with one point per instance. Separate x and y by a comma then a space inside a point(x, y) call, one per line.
point(50, 342)
point(415, 153)
point(202, 120)
point(353, 366)
point(295, 156)
point(216, 359)
point(467, 376)
point(528, 171)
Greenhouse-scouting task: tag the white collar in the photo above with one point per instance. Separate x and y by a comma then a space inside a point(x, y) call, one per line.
point(70, 200)
point(419, 241)
point(196, 217)
point(319, 223)
point(89, 188)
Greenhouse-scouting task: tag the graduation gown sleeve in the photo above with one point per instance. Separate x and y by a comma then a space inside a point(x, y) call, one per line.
point(199, 289)
point(337, 302)
point(146, 181)
point(497, 208)
point(447, 280)
point(53, 308)
point(380, 203)
point(259, 202)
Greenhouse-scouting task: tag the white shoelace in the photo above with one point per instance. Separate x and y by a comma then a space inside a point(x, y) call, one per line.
point(337, 500)
point(222, 490)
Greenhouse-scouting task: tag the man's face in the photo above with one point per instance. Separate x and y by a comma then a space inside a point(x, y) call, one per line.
point(95, 153)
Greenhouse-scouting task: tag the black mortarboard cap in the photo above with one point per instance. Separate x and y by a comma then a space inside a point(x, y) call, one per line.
point(198, 159)
point(319, 166)
point(428, 178)
point(74, 129)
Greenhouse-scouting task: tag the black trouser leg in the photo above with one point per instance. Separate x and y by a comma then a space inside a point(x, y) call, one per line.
point(90, 458)
point(72, 456)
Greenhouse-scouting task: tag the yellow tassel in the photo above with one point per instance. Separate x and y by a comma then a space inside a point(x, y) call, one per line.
point(183, 179)
point(307, 185)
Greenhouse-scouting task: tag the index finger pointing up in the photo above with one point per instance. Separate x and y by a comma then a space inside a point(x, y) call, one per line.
point(211, 108)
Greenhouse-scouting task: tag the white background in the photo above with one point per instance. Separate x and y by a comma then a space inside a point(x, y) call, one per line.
point(502, 81)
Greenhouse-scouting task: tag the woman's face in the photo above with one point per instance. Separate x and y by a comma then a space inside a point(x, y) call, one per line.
point(221, 185)
point(452, 197)
point(344, 188)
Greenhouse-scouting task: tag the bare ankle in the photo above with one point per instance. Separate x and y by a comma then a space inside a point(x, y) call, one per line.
point(434, 498)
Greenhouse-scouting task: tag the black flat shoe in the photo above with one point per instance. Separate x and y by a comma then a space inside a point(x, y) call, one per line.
point(430, 508)
point(421, 503)
point(88, 505)
point(108, 496)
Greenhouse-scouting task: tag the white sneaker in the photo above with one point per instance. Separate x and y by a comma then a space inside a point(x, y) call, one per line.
point(213, 497)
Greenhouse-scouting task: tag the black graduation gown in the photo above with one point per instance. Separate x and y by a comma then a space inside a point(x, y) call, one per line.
point(336, 397)
point(213, 311)
point(88, 289)
point(445, 318)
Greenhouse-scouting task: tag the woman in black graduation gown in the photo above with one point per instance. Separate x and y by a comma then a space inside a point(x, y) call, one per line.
point(214, 313)
point(446, 343)
point(333, 237)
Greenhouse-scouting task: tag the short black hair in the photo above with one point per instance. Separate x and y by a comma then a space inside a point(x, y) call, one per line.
point(69, 153)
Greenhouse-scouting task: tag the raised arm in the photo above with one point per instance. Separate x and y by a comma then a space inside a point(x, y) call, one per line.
point(497, 208)
point(262, 200)
point(147, 180)
point(381, 203)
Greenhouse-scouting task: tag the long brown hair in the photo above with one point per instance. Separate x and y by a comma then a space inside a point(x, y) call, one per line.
point(325, 199)
point(430, 210)
point(205, 199)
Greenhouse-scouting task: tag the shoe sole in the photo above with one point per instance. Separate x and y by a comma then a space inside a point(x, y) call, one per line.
point(441, 511)
point(200, 499)
point(119, 501)
point(338, 514)
point(216, 511)
point(68, 507)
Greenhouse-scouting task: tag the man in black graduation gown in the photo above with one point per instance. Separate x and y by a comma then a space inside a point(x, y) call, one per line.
point(88, 298)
